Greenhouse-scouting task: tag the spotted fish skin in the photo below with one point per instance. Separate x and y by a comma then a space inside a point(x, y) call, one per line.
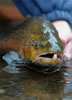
point(37, 40)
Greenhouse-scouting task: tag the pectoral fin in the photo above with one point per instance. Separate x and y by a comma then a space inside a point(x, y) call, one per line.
point(13, 58)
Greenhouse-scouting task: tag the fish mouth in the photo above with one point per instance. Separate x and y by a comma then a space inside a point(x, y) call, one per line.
point(47, 63)
point(49, 56)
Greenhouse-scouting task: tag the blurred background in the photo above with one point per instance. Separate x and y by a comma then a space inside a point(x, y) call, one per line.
point(9, 11)
point(6, 2)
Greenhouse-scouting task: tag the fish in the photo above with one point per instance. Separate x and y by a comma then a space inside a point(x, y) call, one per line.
point(37, 41)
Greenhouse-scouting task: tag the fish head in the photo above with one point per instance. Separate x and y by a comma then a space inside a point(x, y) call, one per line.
point(44, 48)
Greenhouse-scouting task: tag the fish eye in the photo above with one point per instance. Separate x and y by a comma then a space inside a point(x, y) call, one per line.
point(36, 44)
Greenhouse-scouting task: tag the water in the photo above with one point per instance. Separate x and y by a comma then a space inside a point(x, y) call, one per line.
point(30, 85)
point(25, 84)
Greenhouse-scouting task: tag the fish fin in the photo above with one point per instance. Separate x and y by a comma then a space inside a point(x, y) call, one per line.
point(13, 58)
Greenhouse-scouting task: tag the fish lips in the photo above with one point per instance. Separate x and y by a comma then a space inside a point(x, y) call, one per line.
point(47, 67)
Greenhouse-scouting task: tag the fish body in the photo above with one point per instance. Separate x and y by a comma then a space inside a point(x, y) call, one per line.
point(37, 40)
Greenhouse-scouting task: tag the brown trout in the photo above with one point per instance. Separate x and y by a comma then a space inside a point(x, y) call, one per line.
point(37, 40)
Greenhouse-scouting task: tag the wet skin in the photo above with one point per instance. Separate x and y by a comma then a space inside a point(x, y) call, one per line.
point(37, 41)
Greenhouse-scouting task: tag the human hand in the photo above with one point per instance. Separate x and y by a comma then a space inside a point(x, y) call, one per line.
point(65, 34)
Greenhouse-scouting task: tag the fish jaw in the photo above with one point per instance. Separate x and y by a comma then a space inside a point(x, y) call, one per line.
point(43, 60)
point(45, 64)
point(49, 59)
